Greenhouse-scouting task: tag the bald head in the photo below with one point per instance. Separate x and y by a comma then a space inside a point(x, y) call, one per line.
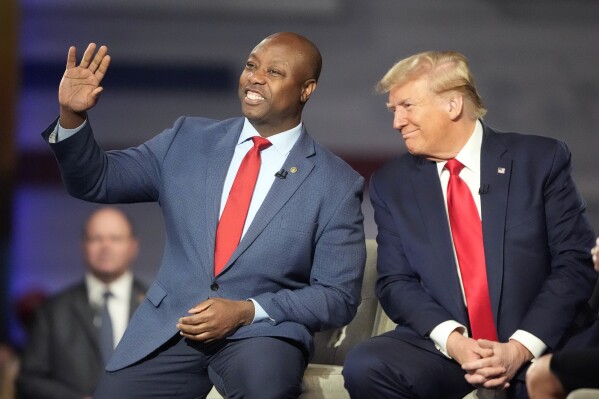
point(279, 77)
point(300, 45)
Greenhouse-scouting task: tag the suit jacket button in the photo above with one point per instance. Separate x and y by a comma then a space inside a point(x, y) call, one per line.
point(214, 287)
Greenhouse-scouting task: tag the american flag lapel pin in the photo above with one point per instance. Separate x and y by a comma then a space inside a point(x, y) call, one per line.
point(501, 171)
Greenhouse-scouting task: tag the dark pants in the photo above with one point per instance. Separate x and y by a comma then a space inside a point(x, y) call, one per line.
point(261, 367)
point(387, 367)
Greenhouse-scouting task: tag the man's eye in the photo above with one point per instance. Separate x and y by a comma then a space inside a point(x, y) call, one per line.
point(249, 65)
point(274, 72)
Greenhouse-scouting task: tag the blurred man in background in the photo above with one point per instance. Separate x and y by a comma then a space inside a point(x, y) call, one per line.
point(74, 332)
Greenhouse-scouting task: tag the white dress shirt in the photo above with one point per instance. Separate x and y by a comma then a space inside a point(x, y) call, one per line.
point(469, 156)
point(272, 159)
point(119, 303)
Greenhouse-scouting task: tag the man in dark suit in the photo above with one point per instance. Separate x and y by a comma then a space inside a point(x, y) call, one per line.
point(242, 320)
point(474, 301)
point(63, 358)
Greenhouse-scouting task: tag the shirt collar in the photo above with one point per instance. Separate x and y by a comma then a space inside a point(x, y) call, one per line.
point(469, 155)
point(281, 142)
point(120, 288)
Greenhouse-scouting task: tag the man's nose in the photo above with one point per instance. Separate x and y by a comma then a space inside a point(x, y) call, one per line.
point(256, 77)
point(399, 120)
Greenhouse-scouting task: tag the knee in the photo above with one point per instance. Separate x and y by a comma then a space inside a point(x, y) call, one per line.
point(540, 380)
point(360, 366)
point(271, 388)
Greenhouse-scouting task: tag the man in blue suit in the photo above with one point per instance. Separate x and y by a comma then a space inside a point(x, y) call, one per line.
point(298, 268)
point(535, 241)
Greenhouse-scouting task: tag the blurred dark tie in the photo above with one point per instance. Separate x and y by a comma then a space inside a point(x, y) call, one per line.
point(106, 339)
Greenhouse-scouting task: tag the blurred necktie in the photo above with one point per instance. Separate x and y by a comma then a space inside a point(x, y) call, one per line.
point(106, 339)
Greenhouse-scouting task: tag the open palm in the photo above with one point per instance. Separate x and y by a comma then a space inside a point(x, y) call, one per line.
point(80, 88)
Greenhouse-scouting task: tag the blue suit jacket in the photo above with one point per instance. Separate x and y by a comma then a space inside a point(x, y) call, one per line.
point(302, 258)
point(536, 236)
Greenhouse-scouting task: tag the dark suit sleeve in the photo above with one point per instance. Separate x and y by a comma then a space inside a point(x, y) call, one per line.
point(123, 176)
point(333, 295)
point(35, 379)
point(571, 278)
point(577, 369)
point(398, 287)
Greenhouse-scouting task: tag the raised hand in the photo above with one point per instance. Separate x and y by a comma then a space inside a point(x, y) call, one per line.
point(80, 88)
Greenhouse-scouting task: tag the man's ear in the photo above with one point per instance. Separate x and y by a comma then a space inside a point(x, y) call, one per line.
point(455, 105)
point(307, 90)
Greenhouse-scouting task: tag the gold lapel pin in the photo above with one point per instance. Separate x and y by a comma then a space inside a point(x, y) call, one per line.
point(293, 169)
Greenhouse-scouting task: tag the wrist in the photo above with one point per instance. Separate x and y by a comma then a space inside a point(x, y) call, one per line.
point(70, 119)
point(248, 313)
point(523, 353)
point(453, 342)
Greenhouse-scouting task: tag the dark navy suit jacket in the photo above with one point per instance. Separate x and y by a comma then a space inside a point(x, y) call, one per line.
point(537, 242)
point(302, 258)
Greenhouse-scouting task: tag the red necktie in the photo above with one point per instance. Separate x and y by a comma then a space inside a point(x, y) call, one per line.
point(230, 226)
point(467, 232)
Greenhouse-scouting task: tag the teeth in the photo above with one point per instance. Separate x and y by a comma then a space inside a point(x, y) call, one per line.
point(254, 96)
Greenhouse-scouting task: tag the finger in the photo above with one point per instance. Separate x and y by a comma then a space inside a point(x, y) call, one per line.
point(88, 55)
point(97, 60)
point(475, 379)
point(194, 319)
point(204, 337)
point(497, 383)
point(96, 93)
point(72, 57)
point(200, 307)
point(102, 68)
point(478, 364)
point(491, 372)
point(486, 344)
point(193, 329)
point(484, 353)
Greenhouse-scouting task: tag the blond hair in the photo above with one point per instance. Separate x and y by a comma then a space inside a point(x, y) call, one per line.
point(446, 71)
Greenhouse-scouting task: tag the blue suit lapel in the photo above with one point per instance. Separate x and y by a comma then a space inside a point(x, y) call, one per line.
point(496, 168)
point(280, 191)
point(429, 195)
point(220, 158)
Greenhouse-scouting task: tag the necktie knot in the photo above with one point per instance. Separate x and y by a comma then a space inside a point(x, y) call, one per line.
point(260, 143)
point(106, 295)
point(454, 167)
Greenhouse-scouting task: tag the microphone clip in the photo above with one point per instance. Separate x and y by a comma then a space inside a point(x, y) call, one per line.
point(281, 174)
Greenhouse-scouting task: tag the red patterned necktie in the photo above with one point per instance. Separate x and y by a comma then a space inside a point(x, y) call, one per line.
point(230, 226)
point(467, 232)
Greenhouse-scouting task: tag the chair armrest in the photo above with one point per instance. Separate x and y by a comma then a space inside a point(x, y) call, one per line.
point(585, 393)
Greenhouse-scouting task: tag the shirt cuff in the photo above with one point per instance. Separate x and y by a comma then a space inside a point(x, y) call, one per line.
point(532, 343)
point(440, 334)
point(60, 133)
point(259, 313)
